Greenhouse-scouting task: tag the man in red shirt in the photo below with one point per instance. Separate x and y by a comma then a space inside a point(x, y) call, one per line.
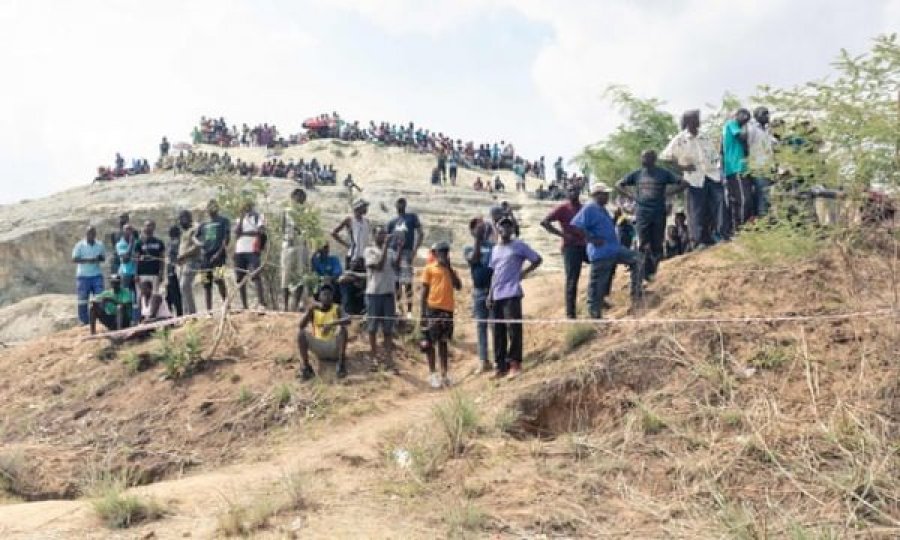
point(573, 244)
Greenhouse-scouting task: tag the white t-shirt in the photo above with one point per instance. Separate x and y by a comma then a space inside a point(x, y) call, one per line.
point(249, 223)
point(685, 149)
point(760, 142)
point(380, 281)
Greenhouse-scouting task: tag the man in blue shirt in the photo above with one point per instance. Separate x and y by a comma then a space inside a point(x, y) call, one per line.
point(327, 267)
point(650, 184)
point(604, 250)
point(479, 259)
point(128, 264)
point(88, 254)
point(734, 164)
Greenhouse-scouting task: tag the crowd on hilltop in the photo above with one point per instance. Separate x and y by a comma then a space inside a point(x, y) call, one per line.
point(119, 170)
point(727, 185)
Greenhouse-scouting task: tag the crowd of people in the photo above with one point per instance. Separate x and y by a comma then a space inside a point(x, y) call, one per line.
point(374, 277)
point(119, 170)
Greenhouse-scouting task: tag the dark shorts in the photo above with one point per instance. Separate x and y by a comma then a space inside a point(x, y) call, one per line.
point(109, 321)
point(212, 270)
point(381, 310)
point(245, 263)
point(440, 325)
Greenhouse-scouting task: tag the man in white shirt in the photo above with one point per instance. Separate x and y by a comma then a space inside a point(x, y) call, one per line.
point(249, 232)
point(762, 158)
point(695, 157)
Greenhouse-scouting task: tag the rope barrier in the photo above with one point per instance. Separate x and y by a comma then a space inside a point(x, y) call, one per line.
point(878, 313)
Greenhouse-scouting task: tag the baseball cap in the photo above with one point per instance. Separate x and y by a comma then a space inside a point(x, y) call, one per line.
point(441, 246)
point(360, 203)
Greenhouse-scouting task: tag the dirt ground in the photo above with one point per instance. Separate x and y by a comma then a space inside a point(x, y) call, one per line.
point(652, 427)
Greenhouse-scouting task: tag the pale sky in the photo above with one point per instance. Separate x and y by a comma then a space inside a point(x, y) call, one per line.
point(85, 79)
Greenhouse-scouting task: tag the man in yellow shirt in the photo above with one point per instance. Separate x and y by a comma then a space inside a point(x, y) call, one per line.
point(328, 338)
point(439, 281)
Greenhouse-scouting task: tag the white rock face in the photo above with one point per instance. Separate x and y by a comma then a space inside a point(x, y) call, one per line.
point(36, 237)
point(37, 316)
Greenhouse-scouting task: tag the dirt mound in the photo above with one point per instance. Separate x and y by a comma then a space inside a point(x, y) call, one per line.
point(680, 421)
point(74, 407)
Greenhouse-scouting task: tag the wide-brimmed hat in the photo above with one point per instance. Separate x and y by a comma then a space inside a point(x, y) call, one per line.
point(598, 188)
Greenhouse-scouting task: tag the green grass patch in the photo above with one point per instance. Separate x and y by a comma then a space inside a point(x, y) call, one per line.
point(579, 334)
point(118, 510)
point(458, 420)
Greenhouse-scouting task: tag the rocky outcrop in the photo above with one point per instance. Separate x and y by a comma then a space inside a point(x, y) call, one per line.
point(36, 237)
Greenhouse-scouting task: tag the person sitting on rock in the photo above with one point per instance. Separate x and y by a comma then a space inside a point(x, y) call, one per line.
point(153, 306)
point(328, 337)
point(112, 307)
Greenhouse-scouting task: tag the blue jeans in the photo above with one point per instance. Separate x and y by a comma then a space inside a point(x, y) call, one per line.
point(85, 287)
point(481, 312)
point(761, 195)
point(601, 272)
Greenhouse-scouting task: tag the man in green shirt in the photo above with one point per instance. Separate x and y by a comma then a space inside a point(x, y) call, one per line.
point(112, 307)
point(738, 184)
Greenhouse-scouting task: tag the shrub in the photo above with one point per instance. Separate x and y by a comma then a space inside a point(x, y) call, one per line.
point(579, 334)
point(180, 359)
point(283, 394)
point(771, 357)
point(12, 473)
point(465, 518)
point(118, 510)
point(457, 419)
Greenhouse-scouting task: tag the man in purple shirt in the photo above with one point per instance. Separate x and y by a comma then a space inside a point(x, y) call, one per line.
point(572, 243)
point(505, 296)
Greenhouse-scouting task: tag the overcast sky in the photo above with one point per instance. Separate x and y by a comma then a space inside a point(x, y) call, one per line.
point(85, 79)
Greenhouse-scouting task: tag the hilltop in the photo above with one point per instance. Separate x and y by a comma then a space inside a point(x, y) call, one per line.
point(647, 429)
point(36, 237)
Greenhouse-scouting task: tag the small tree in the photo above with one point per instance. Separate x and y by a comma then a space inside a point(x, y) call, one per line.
point(233, 191)
point(646, 126)
point(844, 131)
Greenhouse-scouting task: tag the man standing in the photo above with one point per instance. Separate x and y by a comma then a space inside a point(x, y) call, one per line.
point(213, 237)
point(328, 338)
point(173, 292)
point(505, 296)
point(87, 255)
point(406, 229)
point(358, 228)
point(649, 184)
point(734, 164)
point(294, 253)
point(188, 260)
point(762, 159)
point(382, 264)
point(128, 263)
point(693, 154)
point(249, 234)
point(164, 148)
point(439, 281)
point(572, 243)
point(114, 261)
point(150, 252)
point(604, 250)
point(479, 259)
